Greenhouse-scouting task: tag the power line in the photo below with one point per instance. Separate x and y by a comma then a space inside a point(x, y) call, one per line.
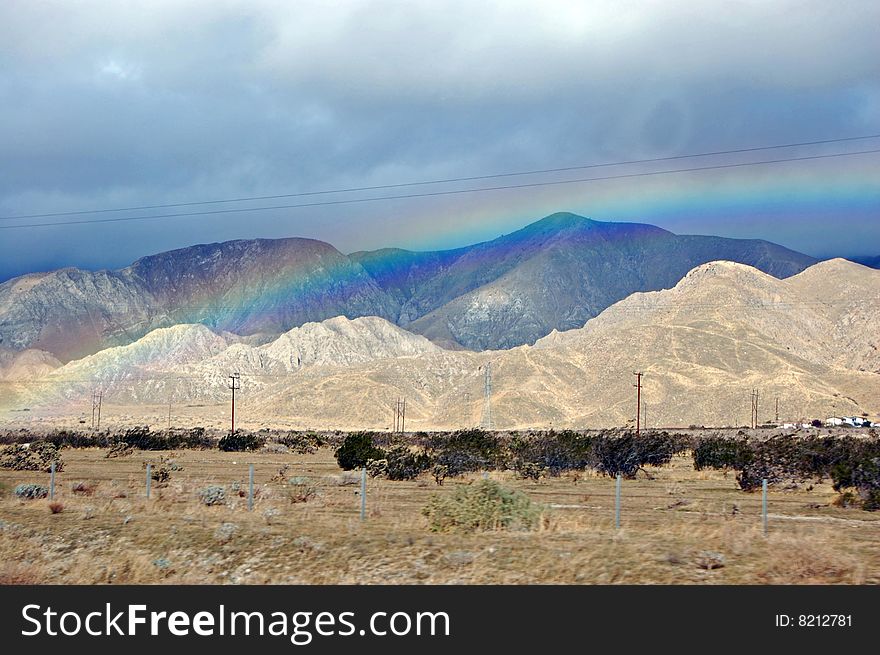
point(448, 192)
point(472, 178)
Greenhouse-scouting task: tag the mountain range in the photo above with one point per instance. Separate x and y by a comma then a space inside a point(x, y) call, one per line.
point(809, 342)
point(555, 273)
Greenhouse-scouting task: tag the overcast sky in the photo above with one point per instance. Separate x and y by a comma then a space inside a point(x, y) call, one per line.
point(115, 104)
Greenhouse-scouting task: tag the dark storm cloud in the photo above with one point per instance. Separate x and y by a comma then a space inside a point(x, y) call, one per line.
point(111, 104)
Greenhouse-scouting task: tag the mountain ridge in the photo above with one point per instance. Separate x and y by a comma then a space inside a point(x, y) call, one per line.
point(556, 272)
point(810, 340)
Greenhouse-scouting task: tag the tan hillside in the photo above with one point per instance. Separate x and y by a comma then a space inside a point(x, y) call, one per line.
point(810, 340)
point(19, 370)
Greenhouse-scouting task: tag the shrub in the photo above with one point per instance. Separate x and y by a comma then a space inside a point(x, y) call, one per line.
point(141, 438)
point(721, 453)
point(240, 441)
point(377, 467)
point(82, 488)
point(846, 499)
point(56, 507)
point(858, 467)
point(778, 459)
point(301, 490)
point(628, 453)
point(281, 476)
point(301, 443)
point(161, 472)
point(851, 463)
point(531, 470)
point(73, 439)
point(356, 450)
point(225, 532)
point(552, 452)
point(22, 435)
point(871, 500)
point(403, 464)
point(783, 458)
point(347, 479)
point(39, 456)
point(213, 495)
point(119, 449)
point(31, 491)
point(483, 505)
point(194, 439)
point(467, 451)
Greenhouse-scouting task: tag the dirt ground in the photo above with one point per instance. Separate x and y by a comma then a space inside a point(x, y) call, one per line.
point(681, 526)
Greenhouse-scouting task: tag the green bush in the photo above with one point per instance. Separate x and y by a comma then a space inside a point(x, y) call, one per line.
point(142, 438)
point(240, 441)
point(468, 451)
point(356, 450)
point(721, 453)
point(627, 453)
point(301, 443)
point(161, 474)
point(72, 439)
point(483, 505)
point(550, 453)
point(531, 470)
point(404, 464)
point(39, 456)
point(194, 439)
point(213, 495)
point(31, 491)
point(851, 463)
point(858, 467)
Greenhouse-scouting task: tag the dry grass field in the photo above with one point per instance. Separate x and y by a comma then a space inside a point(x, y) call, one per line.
point(681, 526)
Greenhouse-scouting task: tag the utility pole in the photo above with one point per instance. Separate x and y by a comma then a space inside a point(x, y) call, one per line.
point(169, 412)
point(638, 386)
point(400, 415)
point(754, 416)
point(97, 396)
point(752, 408)
point(777, 410)
point(756, 409)
point(487, 404)
point(234, 383)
